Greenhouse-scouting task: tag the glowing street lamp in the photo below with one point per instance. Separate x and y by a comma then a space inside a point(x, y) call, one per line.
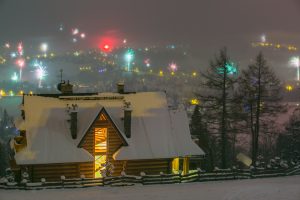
point(82, 35)
point(7, 45)
point(295, 62)
point(2, 93)
point(289, 88)
point(263, 38)
point(13, 54)
point(194, 101)
point(129, 56)
point(44, 47)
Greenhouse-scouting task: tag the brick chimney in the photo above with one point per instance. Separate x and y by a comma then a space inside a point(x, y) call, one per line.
point(73, 120)
point(127, 119)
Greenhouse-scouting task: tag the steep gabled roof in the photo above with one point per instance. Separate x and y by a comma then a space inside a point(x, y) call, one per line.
point(121, 134)
point(156, 131)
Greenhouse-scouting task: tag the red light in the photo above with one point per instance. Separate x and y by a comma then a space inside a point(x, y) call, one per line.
point(106, 47)
point(107, 43)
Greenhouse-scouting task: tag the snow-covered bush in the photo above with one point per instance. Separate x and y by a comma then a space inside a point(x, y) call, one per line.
point(9, 175)
point(25, 177)
point(284, 164)
point(143, 174)
point(108, 169)
point(123, 173)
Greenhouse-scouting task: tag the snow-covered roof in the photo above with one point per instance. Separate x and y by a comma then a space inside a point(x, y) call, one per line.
point(156, 131)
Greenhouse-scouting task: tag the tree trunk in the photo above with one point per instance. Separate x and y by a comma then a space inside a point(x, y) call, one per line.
point(223, 120)
point(257, 116)
point(252, 132)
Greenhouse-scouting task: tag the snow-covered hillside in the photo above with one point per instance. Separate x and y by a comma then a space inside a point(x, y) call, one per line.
point(283, 188)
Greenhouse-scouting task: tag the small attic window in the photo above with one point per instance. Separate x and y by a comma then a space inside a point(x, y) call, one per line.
point(103, 117)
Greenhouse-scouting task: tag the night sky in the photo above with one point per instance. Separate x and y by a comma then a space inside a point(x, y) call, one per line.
point(206, 25)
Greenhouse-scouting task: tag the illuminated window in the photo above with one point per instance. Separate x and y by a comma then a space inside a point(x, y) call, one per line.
point(175, 165)
point(100, 162)
point(102, 117)
point(100, 151)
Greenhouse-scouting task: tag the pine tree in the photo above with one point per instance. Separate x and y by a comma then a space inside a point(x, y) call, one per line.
point(5, 120)
point(3, 160)
point(204, 140)
point(288, 143)
point(197, 125)
point(260, 89)
point(219, 81)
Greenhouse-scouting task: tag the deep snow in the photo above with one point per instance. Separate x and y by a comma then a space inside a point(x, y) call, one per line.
point(283, 188)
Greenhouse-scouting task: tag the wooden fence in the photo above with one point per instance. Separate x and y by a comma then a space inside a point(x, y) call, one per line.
point(143, 179)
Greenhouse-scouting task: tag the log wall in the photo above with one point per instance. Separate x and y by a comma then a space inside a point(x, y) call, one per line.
point(151, 167)
point(114, 141)
point(53, 172)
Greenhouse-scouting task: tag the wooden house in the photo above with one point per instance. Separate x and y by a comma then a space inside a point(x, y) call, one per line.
point(101, 134)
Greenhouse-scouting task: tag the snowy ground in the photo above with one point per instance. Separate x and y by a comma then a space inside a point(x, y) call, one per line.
point(283, 188)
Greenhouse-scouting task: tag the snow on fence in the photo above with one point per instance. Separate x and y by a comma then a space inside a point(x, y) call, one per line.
point(144, 179)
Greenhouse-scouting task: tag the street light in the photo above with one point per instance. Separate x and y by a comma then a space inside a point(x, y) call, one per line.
point(44, 47)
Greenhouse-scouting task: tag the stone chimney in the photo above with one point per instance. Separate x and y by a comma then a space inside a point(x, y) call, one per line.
point(73, 120)
point(127, 119)
point(120, 87)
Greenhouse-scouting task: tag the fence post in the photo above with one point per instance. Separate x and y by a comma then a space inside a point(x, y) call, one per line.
point(43, 181)
point(123, 174)
point(180, 176)
point(234, 172)
point(142, 177)
point(161, 177)
point(24, 183)
point(199, 174)
point(251, 171)
point(103, 180)
point(62, 178)
point(82, 177)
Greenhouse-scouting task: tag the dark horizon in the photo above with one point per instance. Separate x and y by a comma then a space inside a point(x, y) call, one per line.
point(204, 26)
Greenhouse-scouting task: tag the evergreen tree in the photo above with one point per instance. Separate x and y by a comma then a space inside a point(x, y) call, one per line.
point(3, 158)
point(217, 99)
point(260, 89)
point(4, 120)
point(203, 139)
point(197, 126)
point(288, 143)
